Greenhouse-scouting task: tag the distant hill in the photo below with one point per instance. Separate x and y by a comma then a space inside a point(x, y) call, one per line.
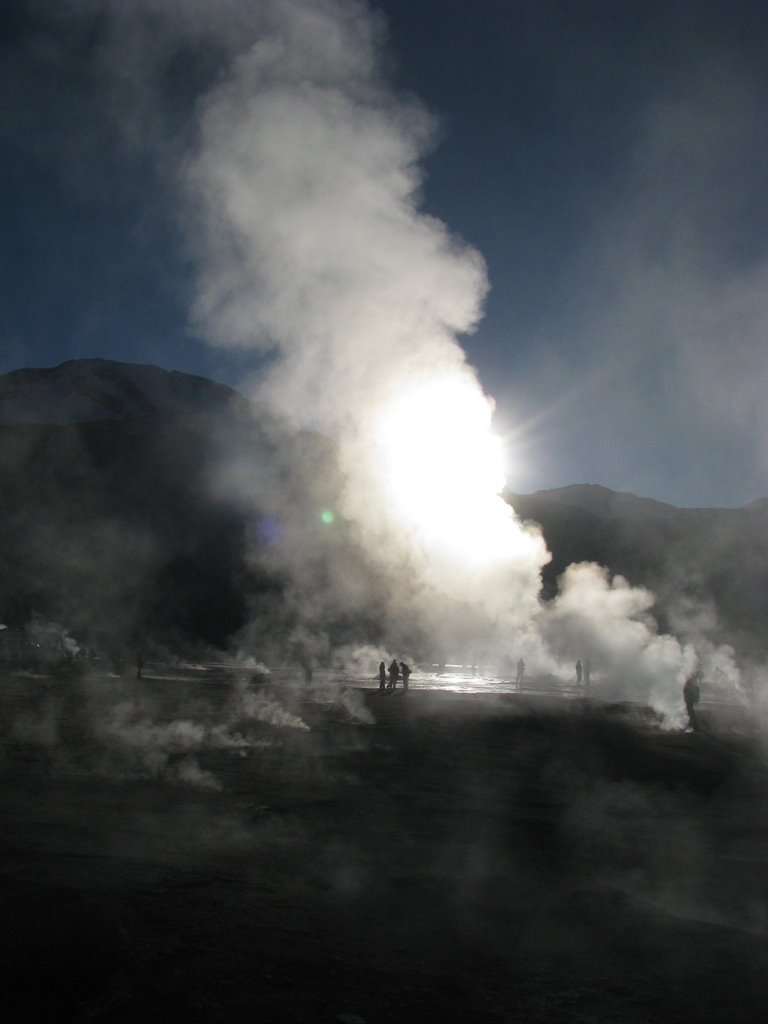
point(90, 390)
point(602, 501)
point(138, 502)
point(692, 559)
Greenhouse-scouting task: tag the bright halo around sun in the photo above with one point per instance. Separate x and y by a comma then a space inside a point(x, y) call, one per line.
point(443, 470)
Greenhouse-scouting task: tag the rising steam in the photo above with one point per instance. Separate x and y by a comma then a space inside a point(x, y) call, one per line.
point(312, 246)
point(302, 209)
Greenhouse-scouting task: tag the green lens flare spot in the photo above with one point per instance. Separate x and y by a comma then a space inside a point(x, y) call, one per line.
point(327, 516)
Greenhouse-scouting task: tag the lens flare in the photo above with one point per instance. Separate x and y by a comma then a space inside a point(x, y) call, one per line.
point(443, 470)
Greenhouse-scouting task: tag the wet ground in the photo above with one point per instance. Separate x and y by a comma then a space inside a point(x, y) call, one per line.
point(190, 848)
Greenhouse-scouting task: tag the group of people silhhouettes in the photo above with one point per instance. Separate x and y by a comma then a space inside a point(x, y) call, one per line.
point(389, 677)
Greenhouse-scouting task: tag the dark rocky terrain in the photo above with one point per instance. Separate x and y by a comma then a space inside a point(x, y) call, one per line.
point(396, 858)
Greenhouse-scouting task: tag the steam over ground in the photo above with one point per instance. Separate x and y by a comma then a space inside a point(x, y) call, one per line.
point(299, 190)
point(233, 839)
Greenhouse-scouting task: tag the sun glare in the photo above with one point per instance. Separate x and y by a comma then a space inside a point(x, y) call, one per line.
point(443, 470)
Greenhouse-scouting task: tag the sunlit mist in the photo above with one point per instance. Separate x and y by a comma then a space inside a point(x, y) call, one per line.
point(442, 468)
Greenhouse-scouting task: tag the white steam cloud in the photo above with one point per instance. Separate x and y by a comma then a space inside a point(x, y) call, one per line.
point(311, 245)
point(302, 206)
point(312, 248)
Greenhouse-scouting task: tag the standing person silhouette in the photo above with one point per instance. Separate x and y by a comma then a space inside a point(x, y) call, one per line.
point(692, 696)
point(382, 677)
point(394, 672)
point(587, 671)
point(578, 672)
point(520, 673)
point(405, 671)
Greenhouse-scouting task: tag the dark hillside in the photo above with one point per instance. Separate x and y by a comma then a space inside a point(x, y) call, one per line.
point(688, 557)
point(142, 503)
point(112, 530)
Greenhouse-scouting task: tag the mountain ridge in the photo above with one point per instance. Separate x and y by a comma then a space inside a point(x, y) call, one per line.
point(88, 390)
point(604, 501)
point(93, 389)
point(161, 510)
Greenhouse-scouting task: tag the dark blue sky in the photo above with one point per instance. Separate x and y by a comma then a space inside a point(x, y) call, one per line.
point(607, 159)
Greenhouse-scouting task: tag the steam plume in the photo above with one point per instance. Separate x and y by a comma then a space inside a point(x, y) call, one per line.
point(312, 247)
point(302, 209)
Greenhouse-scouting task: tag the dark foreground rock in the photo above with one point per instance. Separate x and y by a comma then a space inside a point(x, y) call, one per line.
point(458, 858)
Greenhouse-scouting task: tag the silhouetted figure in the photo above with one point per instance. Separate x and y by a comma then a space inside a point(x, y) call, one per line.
point(692, 696)
point(405, 671)
point(382, 677)
point(394, 673)
point(139, 664)
point(306, 667)
point(578, 672)
point(520, 673)
point(587, 671)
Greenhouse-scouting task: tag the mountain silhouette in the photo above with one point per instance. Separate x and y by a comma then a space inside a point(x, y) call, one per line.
point(145, 503)
point(90, 390)
point(711, 561)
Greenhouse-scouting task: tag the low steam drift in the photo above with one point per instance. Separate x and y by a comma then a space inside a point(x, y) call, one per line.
point(302, 210)
point(114, 732)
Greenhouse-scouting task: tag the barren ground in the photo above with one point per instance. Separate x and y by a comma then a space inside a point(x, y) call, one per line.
point(459, 858)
